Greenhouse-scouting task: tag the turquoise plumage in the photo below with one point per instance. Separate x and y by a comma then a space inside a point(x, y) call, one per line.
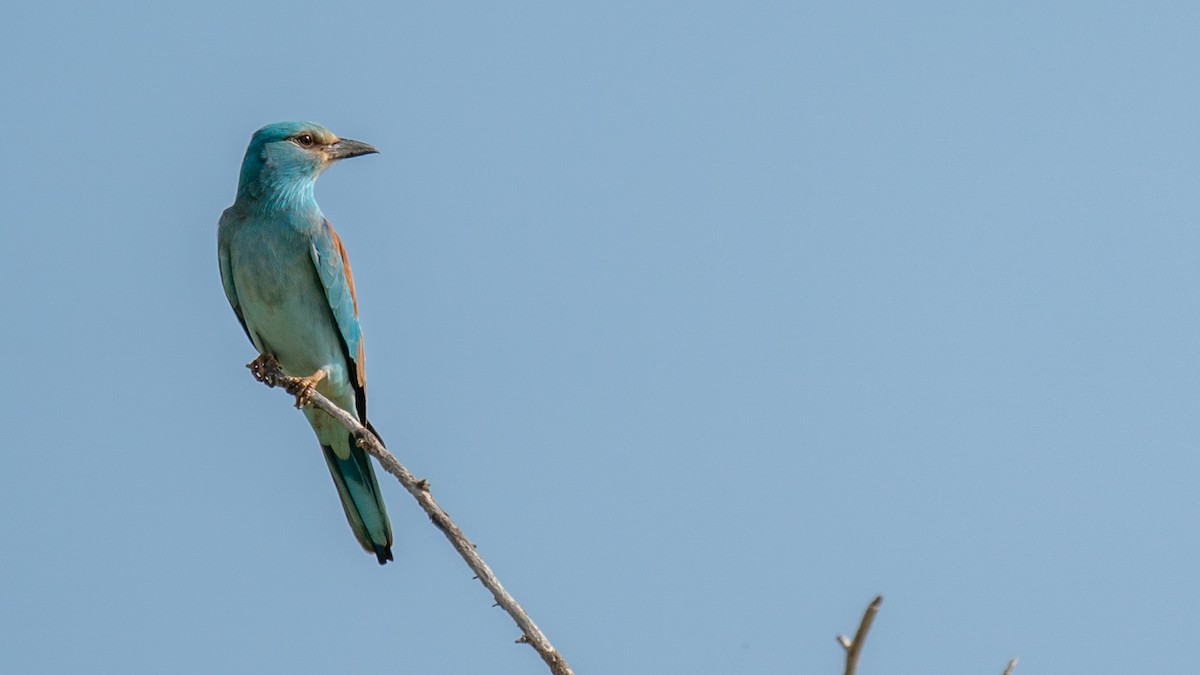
point(288, 278)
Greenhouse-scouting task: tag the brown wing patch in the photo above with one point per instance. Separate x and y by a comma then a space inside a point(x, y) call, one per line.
point(360, 364)
point(337, 242)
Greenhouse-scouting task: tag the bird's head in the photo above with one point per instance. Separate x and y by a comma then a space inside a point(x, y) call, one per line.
point(284, 159)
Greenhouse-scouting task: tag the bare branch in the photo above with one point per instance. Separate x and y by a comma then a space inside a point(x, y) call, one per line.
point(854, 647)
point(272, 376)
point(1011, 664)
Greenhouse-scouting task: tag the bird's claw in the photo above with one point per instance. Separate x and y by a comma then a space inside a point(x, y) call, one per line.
point(264, 368)
point(303, 387)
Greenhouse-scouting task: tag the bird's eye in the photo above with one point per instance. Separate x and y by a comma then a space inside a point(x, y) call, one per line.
point(304, 140)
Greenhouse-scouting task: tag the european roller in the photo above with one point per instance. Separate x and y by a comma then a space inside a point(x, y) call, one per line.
point(288, 278)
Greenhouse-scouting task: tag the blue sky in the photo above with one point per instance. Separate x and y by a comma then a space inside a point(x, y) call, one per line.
point(707, 322)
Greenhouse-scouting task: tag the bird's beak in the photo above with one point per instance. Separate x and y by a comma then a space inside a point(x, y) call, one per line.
point(347, 148)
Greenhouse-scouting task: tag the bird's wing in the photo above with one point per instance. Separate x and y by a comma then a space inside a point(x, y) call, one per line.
point(227, 282)
point(333, 268)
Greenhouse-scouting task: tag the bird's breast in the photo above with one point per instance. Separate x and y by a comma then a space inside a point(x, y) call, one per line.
point(283, 302)
point(269, 268)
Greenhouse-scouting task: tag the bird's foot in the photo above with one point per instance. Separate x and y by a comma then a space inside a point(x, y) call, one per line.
point(303, 387)
point(263, 368)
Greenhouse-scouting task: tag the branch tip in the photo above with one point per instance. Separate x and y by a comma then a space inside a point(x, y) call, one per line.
point(854, 648)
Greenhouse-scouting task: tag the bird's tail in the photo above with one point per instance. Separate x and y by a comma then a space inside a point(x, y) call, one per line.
point(361, 499)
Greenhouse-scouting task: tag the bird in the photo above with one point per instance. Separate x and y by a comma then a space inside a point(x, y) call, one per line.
point(287, 276)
